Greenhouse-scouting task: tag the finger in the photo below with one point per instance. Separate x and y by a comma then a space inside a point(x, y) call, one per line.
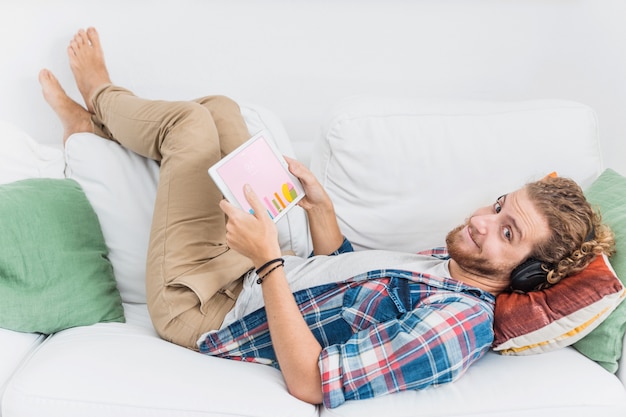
point(253, 200)
point(228, 208)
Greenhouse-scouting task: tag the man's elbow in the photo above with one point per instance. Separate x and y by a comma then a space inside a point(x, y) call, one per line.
point(311, 395)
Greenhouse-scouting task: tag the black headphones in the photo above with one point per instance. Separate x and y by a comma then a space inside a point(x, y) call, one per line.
point(528, 276)
point(532, 274)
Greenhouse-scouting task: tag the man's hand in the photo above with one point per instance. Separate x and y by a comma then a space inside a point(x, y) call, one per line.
point(325, 233)
point(315, 195)
point(252, 235)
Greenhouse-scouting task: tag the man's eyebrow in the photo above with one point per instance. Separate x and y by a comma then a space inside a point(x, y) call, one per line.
point(518, 231)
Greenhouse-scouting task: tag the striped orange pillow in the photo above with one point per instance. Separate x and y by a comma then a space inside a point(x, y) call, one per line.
point(541, 321)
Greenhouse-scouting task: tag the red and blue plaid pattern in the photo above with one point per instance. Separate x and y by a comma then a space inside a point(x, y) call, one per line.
point(381, 332)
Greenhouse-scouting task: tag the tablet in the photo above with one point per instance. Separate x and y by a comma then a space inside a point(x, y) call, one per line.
point(258, 162)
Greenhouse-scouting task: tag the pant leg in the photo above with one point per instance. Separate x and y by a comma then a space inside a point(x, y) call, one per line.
point(192, 277)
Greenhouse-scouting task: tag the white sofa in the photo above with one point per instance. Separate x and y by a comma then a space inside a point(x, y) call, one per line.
point(296, 59)
point(428, 162)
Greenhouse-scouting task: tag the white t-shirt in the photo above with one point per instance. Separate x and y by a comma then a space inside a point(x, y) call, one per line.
point(305, 273)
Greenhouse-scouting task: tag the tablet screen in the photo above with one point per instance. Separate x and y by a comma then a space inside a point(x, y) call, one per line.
point(257, 162)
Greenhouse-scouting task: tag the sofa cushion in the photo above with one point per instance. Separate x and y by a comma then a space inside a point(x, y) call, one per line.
point(22, 157)
point(121, 187)
point(561, 383)
point(53, 259)
point(402, 172)
point(541, 321)
point(126, 370)
point(15, 347)
point(605, 344)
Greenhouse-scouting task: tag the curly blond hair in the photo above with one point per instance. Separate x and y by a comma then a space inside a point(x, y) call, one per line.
point(578, 233)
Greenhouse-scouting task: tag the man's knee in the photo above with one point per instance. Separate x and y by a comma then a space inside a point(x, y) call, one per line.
point(225, 102)
point(191, 125)
point(189, 112)
point(221, 106)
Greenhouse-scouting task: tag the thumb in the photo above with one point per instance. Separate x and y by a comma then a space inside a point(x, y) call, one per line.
point(226, 207)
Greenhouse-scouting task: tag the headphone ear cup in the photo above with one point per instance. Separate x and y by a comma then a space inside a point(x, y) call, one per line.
point(528, 276)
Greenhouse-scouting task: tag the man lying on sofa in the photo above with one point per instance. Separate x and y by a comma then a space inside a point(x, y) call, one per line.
point(351, 326)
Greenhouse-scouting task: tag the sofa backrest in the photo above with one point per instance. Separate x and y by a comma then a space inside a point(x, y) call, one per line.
point(403, 172)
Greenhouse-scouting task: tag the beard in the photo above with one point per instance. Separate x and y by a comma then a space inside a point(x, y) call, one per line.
point(474, 262)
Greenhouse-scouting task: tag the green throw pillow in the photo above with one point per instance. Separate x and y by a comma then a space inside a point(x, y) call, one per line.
point(604, 344)
point(54, 270)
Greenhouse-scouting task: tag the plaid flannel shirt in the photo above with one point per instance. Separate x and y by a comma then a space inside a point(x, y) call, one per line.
point(381, 332)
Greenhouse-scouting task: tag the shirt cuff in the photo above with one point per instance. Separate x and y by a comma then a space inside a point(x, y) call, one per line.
point(332, 378)
point(345, 247)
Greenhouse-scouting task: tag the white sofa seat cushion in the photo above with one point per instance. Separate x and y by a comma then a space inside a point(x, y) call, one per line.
point(127, 370)
point(557, 384)
point(15, 347)
point(403, 172)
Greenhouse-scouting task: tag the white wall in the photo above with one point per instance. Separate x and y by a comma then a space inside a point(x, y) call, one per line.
point(299, 57)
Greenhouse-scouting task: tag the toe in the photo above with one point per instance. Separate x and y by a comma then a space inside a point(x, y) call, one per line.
point(47, 78)
point(43, 76)
point(72, 49)
point(93, 37)
point(80, 38)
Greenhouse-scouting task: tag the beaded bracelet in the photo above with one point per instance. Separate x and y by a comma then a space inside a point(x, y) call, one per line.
point(261, 278)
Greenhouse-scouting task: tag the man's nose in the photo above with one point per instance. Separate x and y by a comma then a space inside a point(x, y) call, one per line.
point(482, 222)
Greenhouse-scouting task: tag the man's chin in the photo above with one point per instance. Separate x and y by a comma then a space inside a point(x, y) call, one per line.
point(453, 237)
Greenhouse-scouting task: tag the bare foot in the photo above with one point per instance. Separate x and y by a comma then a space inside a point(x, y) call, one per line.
point(73, 116)
point(87, 64)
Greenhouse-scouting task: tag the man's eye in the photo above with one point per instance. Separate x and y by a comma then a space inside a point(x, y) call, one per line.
point(497, 207)
point(507, 234)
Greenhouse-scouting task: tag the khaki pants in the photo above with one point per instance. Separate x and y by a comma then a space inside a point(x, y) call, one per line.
point(192, 277)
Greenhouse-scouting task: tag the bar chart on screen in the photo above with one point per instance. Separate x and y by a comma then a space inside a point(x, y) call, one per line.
point(279, 201)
